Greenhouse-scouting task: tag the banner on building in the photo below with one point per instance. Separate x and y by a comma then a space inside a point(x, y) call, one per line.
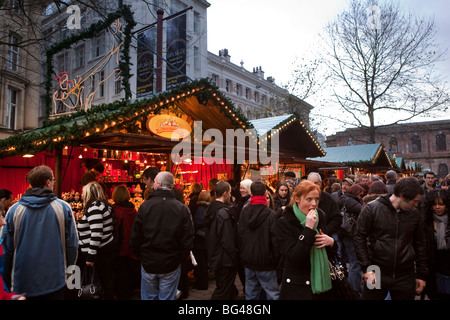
point(146, 46)
point(176, 51)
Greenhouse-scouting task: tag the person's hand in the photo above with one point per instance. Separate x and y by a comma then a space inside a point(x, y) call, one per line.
point(323, 240)
point(311, 219)
point(420, 285)
point(369, 277)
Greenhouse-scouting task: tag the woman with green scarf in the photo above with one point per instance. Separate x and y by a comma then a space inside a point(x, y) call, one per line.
point(305, 246)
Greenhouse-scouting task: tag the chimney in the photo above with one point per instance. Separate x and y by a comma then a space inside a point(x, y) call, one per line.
point(258, 71)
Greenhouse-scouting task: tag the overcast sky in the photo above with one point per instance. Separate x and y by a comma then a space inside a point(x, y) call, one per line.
point(262, 33)
point(272, 34)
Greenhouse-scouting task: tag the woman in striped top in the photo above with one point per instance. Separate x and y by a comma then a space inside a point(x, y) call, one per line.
point(96, 235)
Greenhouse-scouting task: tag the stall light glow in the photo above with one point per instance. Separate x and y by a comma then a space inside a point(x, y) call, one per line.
point(28, 155)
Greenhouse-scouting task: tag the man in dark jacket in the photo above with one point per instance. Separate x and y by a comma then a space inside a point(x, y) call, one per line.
point(328, 205)
point(221, 243)
point(390, 236)
point(162, 237)
point(258, 245)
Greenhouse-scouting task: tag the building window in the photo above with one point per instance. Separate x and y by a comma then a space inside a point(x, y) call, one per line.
point(101, 84)
point(214, 79)
point(228, 85)
point(442, 170)
point(13, 53)
point(416, 144)
point(62, 62)
point(98, 46)
point(441, 144)
point(11, 109)
point(247, 93)
point(196, 22)
point(78, 60)
point(238, 89)
point(117, 80)
point(197, 66)
point(256, 96)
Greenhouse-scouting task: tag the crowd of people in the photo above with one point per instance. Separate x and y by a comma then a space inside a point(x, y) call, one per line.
point(278, 240)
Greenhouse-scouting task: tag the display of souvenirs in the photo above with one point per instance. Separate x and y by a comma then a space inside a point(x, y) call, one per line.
point(74, 199)
point(137, 199)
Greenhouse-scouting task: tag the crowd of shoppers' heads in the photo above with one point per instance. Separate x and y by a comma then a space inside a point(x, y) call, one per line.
point(258, 188)
point(378, 187)
point(245, 187)
point(38, 176)
point(301, 192)
point(121, 194)
point(408, 188)
point(356, 190)
point(92, 192)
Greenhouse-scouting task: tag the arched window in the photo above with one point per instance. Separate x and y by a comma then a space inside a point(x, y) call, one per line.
point(393, 145)
point(443, 170)
point(441, 144)
point(416, 144)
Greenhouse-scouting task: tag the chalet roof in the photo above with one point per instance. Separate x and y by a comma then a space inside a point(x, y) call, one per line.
point(357, 155)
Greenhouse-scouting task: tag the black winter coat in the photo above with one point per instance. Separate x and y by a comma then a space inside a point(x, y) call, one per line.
point(258, 244)
point(353, 207)
point(162, 233)
point(221, 236)
point(438, 260)
point(295, 243)
point(329, 206)
point(394, 241)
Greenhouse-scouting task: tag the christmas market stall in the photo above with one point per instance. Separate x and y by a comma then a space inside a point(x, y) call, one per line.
point(363, 159)
point(128, 136)
point(296, 144)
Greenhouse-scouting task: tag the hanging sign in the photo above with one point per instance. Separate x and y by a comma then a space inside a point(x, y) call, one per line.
point(145, 61)
point(176, 51)
point(169, 126)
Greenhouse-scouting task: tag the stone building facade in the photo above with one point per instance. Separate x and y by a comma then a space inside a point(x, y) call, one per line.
point(427, 143)
point(22, 79)
point(251, 92)
point(19, 66)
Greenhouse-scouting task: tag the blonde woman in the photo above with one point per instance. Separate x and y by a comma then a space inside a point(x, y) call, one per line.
point(96, 233)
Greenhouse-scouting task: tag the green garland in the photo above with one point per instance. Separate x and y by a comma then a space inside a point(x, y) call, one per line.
point(71, 129)
point(92, 31)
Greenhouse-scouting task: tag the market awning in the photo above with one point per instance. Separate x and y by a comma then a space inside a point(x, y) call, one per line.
point(295, 140)
point(363, 156)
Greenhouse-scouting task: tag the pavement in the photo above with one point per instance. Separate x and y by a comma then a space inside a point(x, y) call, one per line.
point(195, 294)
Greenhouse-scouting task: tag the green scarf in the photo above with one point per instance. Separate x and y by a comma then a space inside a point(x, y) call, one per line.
point(320, 269)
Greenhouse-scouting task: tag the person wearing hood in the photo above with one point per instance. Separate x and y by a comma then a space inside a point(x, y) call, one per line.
point(40, 240)
point(258, 245)
point(221, 243)
point(127, 263)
